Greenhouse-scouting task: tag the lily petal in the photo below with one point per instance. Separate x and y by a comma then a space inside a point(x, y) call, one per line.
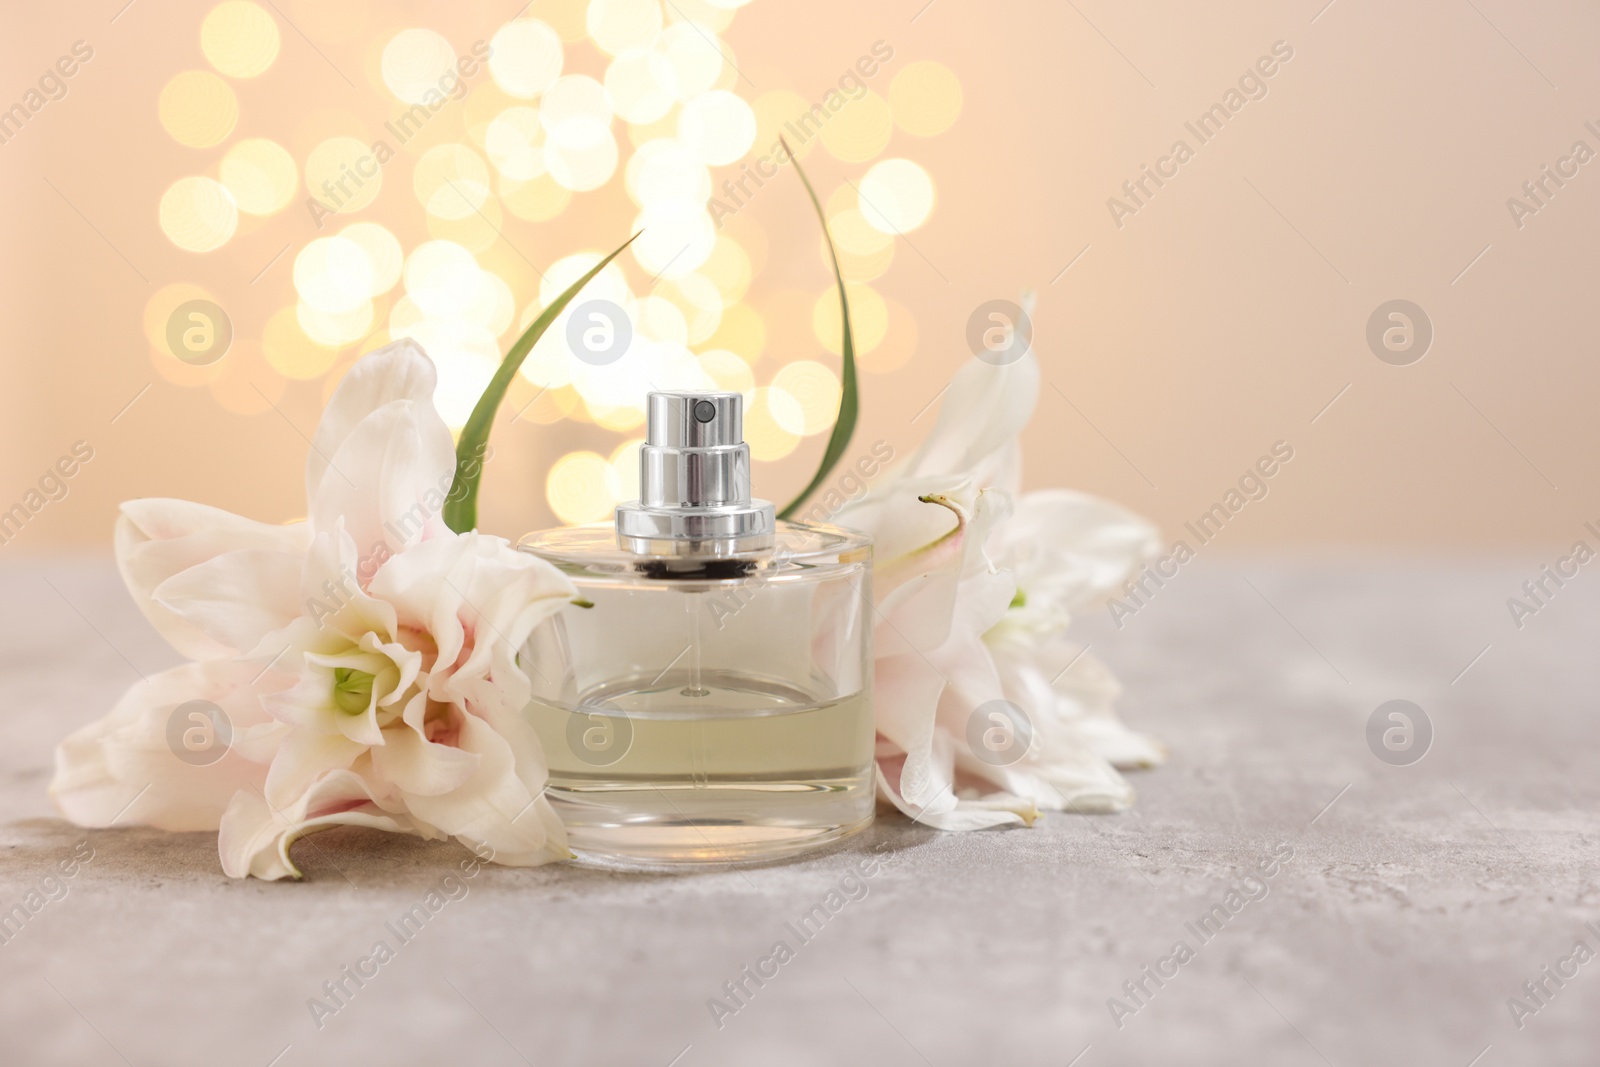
point(304, 757)
point(1072, 550)
point(388, 480)
point(332, 589)
point(237, 598)
point(479, 599)
point(255, 836)
point(1074, 694)
point(946, 811)
point(494, 808)
point(125, 767)
point(983, 410)
point(419, 767)
point(400, 370)
point(157, 539)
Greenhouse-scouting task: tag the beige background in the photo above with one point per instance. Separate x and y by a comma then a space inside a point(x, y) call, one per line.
point(1224, 316)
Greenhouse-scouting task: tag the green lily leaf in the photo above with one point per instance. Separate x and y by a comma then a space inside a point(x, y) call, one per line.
point(845, 425)
point(461, 508)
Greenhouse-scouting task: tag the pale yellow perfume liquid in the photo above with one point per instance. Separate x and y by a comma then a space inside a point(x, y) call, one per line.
point(699, 766)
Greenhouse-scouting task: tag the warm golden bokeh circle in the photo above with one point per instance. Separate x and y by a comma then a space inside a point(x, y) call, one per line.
point(767, 423)
point(290, 352)
point(198, 214)
point(261, 175)
point(925, 97)
point(860, 131)
point(198, 109)
point(455, 233)
point(580, 487)
point(239, 38)
point(815, 390)
point(343, 174)
point(896, 196)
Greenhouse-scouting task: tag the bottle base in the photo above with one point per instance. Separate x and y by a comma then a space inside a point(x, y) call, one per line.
point(675, 826)
point(682, 848)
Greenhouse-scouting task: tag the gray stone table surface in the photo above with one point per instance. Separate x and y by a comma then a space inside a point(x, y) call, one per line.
point(1417, 900)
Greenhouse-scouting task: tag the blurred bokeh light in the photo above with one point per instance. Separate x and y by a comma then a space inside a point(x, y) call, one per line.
point(449, 224)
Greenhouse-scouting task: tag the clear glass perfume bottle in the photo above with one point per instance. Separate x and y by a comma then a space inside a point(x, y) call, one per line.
point(714, 704)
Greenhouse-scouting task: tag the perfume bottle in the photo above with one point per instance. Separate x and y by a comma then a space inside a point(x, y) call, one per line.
point(710, 701)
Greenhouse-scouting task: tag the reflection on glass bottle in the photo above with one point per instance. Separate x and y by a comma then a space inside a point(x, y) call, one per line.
point(714, 704)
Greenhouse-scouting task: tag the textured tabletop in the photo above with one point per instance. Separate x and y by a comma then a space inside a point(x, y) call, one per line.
point(1405, 906)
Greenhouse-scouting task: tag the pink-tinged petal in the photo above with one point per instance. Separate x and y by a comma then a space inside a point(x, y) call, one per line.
point(158, 539)
point(494, 809)
point(478, 599)
point(915, 616)
point(419, 767)
point(972, 678)
point(259, 743)
point(949, 666)
point(984, 599)
point(916, 592)
point(388, 480)
point(904, 516)
point(919, 609)
point(125, 768)
point(333, 588)
point(255, 836)
point(397, 371)
point(945, 551)
point(527, 752)
point(923, 705)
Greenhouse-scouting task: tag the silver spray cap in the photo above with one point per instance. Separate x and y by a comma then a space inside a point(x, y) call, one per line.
point(694, 481)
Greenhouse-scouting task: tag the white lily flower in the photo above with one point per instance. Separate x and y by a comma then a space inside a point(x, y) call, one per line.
point(365, 659)
point(975, 586)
